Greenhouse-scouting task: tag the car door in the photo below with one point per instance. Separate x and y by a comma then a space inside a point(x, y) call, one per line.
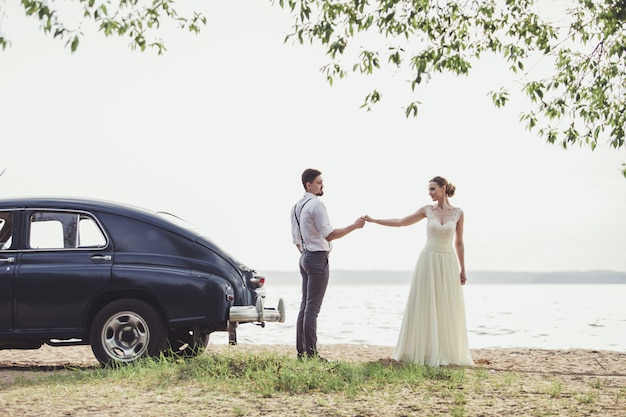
point(7, 267)
point(65, 263)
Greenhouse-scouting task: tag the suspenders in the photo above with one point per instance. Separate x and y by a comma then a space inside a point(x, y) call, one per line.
point(297, 221)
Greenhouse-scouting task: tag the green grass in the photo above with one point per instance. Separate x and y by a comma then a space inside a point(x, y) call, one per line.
point(235, 384)
point(555, 389)
point(264, 374)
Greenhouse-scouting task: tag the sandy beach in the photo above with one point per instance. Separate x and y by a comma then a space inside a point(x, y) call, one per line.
point(577, 373)
point(539, 361)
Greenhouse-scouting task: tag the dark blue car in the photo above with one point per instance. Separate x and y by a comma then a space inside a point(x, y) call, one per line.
point(127, 281)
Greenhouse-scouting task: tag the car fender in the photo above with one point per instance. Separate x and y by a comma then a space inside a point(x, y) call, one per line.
point(186, 297)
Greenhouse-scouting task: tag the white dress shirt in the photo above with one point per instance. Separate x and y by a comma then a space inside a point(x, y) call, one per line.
point(314, 224)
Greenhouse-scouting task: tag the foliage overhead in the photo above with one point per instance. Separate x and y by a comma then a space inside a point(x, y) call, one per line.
point(133, 19)
point(581, 100)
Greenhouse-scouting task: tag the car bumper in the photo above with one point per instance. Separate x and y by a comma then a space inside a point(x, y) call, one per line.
point(258, 313)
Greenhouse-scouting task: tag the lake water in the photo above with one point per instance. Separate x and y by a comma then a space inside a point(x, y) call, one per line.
point(549, 316)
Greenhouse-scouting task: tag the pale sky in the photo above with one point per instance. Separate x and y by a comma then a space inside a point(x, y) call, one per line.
point(219, 129)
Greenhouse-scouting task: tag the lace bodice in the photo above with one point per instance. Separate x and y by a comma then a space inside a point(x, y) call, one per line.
point(445, 231)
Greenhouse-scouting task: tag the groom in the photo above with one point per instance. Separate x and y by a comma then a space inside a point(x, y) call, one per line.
point(312, 233)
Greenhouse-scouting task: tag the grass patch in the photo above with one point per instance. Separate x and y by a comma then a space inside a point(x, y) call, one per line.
point(554, 391)
point(268, 374)
point(258, 384)
point(586, 398)
point(264, 374)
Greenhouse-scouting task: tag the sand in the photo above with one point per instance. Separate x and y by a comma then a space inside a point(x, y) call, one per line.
point(541, 361)
point(540, 382)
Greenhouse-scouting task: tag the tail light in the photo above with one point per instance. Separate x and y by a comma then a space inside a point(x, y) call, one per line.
point(257, 281)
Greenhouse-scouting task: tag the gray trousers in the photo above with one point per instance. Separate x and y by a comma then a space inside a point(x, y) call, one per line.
point(315, 271)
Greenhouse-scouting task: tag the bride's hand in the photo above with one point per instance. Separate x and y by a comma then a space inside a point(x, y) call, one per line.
point(367, 218)
point(463, 278)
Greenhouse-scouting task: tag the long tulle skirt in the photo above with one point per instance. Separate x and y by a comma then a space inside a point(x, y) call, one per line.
point(434, 329)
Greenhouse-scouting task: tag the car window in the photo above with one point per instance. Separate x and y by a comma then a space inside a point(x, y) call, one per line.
point(64, 230)
point(6, 230)
point(89, 234)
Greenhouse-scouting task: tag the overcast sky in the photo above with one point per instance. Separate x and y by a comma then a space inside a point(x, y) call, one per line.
point(219, 130)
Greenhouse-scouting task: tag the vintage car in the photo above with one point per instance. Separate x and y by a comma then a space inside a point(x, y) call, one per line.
point(127, 281)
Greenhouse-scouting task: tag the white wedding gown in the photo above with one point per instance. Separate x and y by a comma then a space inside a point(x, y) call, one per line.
point(434, 329)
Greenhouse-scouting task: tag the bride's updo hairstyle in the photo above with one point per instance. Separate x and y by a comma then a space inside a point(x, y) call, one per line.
point(442, 182)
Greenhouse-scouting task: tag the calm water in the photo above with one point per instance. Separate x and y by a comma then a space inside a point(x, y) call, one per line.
point(551, 316)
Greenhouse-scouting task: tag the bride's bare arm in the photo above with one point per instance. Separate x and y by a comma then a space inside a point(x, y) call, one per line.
point(460, 247)
point(405, 221)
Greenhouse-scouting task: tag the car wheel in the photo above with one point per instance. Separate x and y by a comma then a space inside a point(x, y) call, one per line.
point(188, 343)
point(126, 330)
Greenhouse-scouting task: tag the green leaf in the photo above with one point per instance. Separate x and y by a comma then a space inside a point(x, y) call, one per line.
point(74, 44)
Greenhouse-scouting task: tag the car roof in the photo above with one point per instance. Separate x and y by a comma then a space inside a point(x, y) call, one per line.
point(74, 203)
point(102, 206)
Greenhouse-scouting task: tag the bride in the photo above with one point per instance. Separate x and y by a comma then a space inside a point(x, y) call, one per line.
point(434, 329)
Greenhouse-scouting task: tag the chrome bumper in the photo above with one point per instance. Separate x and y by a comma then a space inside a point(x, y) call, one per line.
point(258, 313)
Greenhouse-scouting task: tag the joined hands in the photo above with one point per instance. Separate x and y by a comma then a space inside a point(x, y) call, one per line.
point(359, 223)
